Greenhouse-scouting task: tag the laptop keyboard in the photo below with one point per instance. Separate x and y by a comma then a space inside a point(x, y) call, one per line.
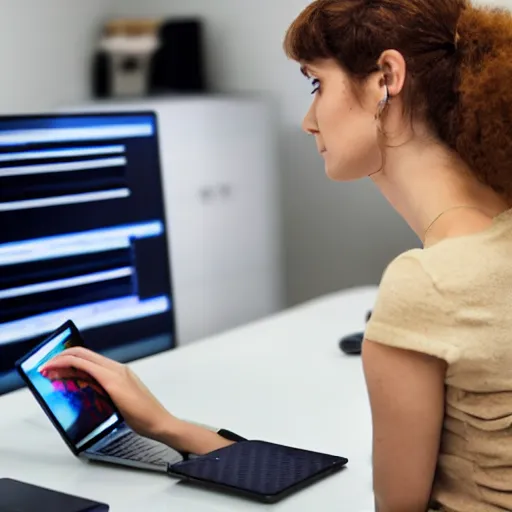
point(134, 447)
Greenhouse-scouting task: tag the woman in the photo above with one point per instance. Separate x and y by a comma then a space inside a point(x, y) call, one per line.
point(416, 95)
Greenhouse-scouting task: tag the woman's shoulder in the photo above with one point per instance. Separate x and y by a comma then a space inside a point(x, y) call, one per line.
point(408, 286)
point(408, 268)
point(411, 312)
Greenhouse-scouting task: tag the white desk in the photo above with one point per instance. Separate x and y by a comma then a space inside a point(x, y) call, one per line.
point(283, 379)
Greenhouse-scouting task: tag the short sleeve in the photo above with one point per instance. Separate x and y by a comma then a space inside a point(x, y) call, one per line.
point(411, 313)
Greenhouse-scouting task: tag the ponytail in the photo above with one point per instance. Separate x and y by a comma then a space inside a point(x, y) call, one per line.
point(482, 131)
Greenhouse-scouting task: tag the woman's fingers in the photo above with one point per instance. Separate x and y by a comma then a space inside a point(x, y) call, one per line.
point(67, 373)
point(70, 363)
point(91, 356)
point(80, 379)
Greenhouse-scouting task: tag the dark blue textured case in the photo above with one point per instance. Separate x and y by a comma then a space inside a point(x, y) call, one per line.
point(256, 469)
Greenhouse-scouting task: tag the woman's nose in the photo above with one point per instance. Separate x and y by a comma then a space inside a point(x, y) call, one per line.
point(309, 124)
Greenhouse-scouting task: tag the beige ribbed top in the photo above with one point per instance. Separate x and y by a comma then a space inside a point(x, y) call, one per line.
point(454, 301)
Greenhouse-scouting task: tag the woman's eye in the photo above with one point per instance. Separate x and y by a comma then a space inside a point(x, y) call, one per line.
point(316, 85)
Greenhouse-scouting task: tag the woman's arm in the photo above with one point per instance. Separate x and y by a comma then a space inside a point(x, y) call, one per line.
point(190, 438)
point(406, 391)
point(139, 407)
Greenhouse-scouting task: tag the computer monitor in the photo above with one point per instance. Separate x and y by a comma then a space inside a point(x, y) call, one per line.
point(83, 235)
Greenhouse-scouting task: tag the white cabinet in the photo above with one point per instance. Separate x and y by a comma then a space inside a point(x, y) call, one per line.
point(221, 187)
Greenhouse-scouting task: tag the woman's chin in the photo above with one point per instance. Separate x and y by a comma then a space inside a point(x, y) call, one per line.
point(330, 170)
point(334, 172)
point(330, 175)
point(337, 173)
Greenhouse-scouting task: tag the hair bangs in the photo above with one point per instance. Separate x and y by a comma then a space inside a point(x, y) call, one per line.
point(305, 39)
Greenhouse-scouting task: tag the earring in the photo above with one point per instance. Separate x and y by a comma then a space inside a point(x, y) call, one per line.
point(383, 103)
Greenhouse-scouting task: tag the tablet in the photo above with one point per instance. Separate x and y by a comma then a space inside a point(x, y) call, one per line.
point(16, 496)
point(259, 470)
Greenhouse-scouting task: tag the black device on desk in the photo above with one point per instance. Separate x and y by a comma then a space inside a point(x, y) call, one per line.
point(353, 343)
point(262, 471)
point(16, 496)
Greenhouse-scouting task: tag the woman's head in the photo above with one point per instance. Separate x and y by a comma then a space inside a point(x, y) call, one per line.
point(446, 66)
point(346, 115)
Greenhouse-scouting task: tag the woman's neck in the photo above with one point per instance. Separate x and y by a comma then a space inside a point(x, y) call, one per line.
point(422, 179)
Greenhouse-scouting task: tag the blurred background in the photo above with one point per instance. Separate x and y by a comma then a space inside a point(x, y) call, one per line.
point(237, 207)
point(321, 237)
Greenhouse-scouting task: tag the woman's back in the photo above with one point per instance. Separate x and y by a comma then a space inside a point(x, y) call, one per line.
point(462, 290)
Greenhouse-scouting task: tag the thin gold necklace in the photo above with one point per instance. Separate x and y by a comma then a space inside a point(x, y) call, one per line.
point(446, 211)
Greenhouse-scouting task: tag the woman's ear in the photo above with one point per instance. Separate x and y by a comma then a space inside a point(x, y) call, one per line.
point(394, 69)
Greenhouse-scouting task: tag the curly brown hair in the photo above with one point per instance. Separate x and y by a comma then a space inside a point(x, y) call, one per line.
point(459, 62)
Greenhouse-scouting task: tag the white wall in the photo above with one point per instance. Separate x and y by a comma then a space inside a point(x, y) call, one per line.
point(45, 48)
point(335, 236)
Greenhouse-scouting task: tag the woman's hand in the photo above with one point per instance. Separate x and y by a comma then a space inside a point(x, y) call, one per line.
point(140, 409)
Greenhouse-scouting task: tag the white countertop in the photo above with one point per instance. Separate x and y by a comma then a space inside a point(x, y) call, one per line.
point(283, 379)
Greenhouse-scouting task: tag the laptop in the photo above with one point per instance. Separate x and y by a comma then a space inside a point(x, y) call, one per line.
point(84, 414)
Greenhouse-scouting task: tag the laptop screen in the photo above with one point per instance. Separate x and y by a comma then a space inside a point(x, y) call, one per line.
point(81, 408)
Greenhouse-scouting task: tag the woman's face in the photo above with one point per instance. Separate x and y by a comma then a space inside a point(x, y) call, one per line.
point(344, 125)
